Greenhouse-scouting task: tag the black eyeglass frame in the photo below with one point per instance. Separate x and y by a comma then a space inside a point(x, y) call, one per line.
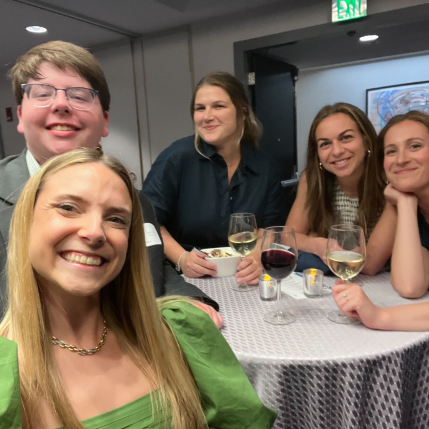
point(94, 93)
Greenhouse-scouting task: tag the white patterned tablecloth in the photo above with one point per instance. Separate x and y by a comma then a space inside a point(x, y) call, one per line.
point(319, 374)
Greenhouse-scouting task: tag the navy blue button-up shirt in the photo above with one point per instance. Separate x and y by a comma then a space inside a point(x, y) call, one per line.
point(192, 197)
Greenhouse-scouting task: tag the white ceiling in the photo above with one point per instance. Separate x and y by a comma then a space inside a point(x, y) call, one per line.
point(93, 22)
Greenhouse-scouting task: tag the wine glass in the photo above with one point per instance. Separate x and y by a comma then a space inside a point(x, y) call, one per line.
point(242, 237)
point(361, 221)
point(279, 257)
point(345, 253)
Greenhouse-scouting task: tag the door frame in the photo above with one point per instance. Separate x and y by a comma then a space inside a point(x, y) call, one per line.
point(391, 18)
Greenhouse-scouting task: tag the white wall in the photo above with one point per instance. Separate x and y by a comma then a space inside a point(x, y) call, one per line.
point(123, 139)
point(154, 112)
point(213, 40)
point(316, 88)
point(168, 90)
point(13, 141)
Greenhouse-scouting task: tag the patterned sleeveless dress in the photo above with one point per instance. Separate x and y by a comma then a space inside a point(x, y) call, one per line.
point(345, 207)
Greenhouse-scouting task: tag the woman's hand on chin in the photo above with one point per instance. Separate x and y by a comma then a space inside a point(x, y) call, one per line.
point(248, 271)
point(394, 196)
point(194, 266)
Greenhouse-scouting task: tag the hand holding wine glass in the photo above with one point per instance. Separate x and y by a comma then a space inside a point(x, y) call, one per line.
point(279, 257)
point(345, 253)
point(242, 238)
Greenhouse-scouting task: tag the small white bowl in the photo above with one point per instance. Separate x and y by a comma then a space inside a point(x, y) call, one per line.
point(226, 266)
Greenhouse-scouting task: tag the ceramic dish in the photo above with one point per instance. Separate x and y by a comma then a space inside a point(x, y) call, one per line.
point(227, 265)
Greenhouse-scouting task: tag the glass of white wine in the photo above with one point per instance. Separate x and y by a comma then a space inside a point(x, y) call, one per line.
point(242, 237)
point(345, 253)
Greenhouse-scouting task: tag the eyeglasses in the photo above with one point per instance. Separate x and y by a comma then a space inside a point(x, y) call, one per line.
point(44, 95)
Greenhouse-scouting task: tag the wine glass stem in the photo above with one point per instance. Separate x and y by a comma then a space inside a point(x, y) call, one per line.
point(279, 296)
point(340, 313)
point(243, 283)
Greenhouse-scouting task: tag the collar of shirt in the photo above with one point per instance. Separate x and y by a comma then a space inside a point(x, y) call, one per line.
point(32, 165)
point(249, 158)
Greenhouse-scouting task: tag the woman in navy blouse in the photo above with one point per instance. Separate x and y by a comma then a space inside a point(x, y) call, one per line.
point(198, 181)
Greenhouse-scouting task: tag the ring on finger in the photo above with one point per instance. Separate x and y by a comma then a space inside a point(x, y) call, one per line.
point(345, 296)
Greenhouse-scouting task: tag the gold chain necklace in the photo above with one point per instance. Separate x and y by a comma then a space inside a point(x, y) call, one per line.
point(82, 352)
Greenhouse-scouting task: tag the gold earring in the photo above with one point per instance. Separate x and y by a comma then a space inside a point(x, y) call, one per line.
point(369, 153)
point(320, 166)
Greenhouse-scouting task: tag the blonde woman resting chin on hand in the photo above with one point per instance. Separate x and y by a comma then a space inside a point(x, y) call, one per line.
point(343, 178)
point(406, 162)
point(84, 343)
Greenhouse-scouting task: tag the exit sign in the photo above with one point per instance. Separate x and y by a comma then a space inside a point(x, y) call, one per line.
point(344, 10)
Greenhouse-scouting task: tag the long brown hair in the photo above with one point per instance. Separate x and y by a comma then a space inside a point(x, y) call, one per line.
point(322, 183)
point(252, 128)
point(128, 306)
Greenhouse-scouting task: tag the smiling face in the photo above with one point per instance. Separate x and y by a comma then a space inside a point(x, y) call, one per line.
point(406, 156)
point(59, 128)
point(79, 234)
point(215, 117)
point(340, 146)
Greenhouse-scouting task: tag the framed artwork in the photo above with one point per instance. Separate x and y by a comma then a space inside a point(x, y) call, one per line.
point(386, 102)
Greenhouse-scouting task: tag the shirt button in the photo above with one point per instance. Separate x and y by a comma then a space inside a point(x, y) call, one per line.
point(230, 198)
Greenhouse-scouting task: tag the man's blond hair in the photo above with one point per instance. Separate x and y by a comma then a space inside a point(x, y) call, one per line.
point(63, 55)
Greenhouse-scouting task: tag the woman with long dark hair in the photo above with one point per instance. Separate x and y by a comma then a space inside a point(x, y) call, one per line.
point(343, 180)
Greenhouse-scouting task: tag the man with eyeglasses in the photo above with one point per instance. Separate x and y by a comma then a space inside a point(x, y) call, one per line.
point(63, 104)
point(43, 95)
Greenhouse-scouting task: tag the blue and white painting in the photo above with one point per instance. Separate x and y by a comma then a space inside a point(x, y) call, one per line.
point(384, 103)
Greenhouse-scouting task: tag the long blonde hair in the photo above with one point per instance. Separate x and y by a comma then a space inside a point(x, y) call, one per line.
point(128, 305)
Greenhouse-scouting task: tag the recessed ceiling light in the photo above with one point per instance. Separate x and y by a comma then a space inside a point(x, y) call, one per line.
point(369, 38)
point(36, 29)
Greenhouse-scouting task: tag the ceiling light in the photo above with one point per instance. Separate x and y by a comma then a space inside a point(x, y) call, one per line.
point(36, 29)
point(369, 38)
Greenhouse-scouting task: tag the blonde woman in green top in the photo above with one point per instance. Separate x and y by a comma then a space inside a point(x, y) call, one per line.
point(94, 348)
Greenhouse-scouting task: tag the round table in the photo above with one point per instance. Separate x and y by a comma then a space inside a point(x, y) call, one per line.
point(319, 374)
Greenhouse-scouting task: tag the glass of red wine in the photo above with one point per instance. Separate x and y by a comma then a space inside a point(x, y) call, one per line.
point(279, 257)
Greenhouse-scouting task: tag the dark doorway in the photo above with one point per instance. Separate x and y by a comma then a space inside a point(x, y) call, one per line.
point(273, 101)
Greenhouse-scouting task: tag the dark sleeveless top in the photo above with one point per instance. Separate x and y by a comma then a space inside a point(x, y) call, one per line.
point(423, 230)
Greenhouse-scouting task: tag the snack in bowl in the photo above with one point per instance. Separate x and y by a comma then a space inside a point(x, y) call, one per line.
point(225, 259)
point(218, 253)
